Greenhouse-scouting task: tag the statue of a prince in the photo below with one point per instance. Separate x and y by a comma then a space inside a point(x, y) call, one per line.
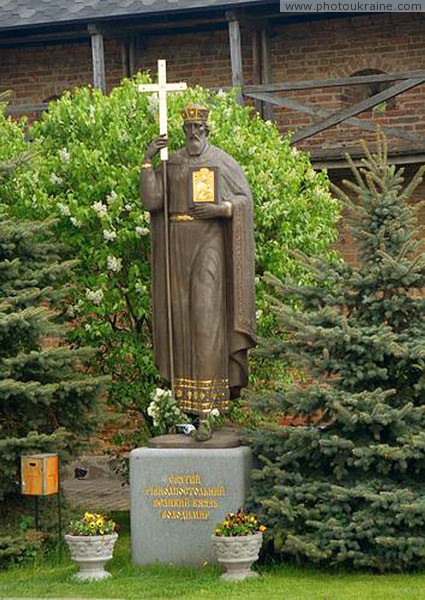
point(211, 268)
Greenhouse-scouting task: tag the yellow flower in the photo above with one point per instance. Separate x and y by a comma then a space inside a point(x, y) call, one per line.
point(262, 528)
point(92, 525)
point(88, 516)
point(217, 532)
point(100, 522)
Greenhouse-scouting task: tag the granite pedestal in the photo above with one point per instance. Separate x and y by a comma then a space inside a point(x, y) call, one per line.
point(178, 495)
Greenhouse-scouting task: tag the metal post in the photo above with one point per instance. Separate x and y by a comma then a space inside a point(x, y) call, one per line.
point(36, 523)
point(59, 518)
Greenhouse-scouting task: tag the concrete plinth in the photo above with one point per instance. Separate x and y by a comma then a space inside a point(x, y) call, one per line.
point(178, 495)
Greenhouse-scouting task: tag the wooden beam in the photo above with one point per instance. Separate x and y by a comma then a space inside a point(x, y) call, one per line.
point(132, 52)
point(98, 58)
point(357, 108)
point(235, 54)
point(336, 158)
point(22, 109)
point(266, 71)
point(125, 60)
point(319, 112)
point(323, 83)
point(256, 66)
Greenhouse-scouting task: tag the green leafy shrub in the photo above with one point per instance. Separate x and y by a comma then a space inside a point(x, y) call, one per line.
point(19, 549)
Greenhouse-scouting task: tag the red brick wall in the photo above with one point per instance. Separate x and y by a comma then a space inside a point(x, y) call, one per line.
point(335, 48)
point(310, 50)
point(36, 73)
point(195, 58)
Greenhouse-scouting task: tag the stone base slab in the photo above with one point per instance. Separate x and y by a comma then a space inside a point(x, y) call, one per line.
point(224, 438)
point(177, 497)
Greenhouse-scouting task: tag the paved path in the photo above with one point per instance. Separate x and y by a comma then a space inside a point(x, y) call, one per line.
point(100, 489)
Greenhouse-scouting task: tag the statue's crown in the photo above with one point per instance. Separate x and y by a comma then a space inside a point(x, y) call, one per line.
point(195, 112)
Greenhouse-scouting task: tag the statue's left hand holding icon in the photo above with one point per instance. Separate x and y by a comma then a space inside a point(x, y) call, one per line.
point(211, 211)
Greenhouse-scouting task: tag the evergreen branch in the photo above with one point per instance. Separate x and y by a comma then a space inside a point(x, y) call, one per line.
point(7, 167)
point(412, 186)
point(371, 162)
point(371, 185)
point(356, 172)
point(33, 391)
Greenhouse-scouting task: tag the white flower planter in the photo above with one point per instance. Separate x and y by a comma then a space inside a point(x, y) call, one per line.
point(237, 554)
point(91, 553)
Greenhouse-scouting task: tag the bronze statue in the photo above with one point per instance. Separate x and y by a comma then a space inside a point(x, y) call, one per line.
point(211, 275)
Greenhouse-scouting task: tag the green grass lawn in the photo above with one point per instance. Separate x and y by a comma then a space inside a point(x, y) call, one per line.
point(54, 578)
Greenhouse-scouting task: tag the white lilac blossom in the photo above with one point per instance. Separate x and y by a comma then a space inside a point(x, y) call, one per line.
point(75, 222)
point(258, 313)
point(152, 410)
point(55, 179)
point(100, 209)
point(145, 217)
point(153, 104)
point(114, 264)
point(142, 231)
point(64, 209)
point(110, 198)
point(214, 412)
point(109, 235)
point(123, 135)
point(95, 296)
point(164, 411)
point(64, 155)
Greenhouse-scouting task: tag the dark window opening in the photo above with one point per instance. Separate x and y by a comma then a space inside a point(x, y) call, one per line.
point(352, 94)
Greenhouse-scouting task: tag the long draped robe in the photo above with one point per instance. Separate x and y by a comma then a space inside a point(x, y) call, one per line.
point(212, 283)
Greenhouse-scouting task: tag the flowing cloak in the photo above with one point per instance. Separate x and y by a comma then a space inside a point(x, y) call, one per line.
point(212, 286)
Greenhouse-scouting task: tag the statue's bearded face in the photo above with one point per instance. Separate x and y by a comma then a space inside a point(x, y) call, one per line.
point(196, 136)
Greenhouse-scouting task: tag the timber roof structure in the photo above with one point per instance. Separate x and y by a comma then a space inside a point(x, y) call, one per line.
point(21, 14)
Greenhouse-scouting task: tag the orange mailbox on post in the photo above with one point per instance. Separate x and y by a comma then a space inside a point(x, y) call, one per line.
point(40, 474)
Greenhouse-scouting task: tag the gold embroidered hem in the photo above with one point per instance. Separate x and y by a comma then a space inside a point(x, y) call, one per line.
point(199, 396)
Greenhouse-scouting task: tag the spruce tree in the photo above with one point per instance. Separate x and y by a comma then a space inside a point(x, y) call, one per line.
point(347, 487)
point(47, 397)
